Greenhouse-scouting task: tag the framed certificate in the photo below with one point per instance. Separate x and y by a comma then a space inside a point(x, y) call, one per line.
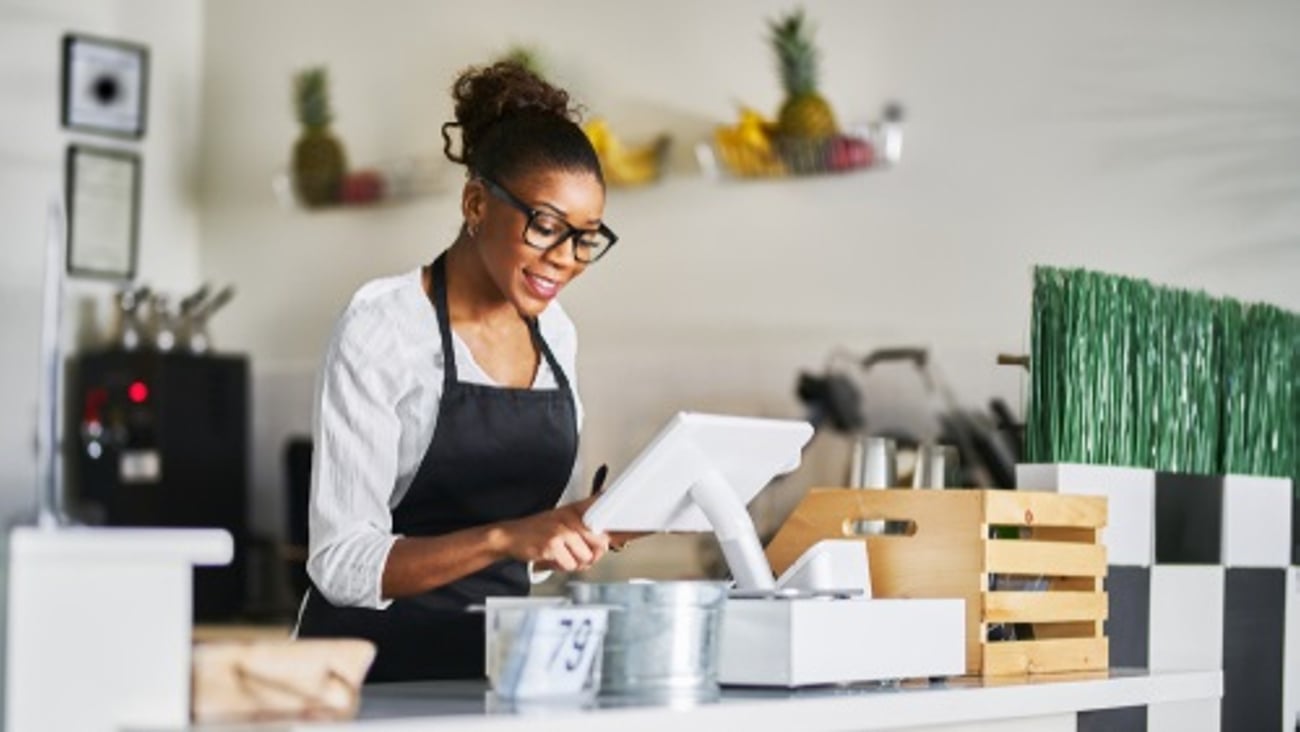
point(103, 193)
point(105, 86)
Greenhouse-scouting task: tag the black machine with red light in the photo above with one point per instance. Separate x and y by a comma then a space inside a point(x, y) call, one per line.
point(161, 439)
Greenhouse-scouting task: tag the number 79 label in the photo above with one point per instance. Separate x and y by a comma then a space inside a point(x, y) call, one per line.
point(554, 652)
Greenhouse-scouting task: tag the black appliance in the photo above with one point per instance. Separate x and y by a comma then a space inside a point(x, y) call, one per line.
point(161, 439)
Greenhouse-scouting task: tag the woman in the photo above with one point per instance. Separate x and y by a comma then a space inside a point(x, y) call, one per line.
point(447, 425)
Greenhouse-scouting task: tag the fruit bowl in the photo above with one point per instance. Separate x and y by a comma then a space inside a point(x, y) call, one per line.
point(777, 156)
point(380, 183)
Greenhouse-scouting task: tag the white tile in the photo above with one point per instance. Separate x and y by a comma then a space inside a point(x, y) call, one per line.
point(1186, 617)
point(1198, 715)
point(1256, 521)
point(1130, 497)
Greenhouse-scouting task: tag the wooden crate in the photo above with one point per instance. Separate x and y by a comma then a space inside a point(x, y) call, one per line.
point(947, 552)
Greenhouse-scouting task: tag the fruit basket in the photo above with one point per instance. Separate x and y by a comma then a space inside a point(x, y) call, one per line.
point(385, 182)
point(737, 154)
point(319, 176)
point(804, 138)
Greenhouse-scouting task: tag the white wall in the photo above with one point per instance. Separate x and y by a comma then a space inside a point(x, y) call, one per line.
point(31, 170)
point(1155, 139)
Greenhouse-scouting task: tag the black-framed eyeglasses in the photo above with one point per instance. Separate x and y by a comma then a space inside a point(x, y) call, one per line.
point(545, 230)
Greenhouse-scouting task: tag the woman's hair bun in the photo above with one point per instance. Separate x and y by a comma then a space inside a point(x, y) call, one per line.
point(486, 95)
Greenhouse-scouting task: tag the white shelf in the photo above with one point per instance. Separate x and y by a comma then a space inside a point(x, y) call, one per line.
point(403, 180)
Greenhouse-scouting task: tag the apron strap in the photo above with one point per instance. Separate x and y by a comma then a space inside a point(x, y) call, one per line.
point(439, 294)
point(561, 379)
point(439, 287)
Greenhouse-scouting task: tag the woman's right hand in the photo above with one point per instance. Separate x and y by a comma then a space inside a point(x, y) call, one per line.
point(556, 539)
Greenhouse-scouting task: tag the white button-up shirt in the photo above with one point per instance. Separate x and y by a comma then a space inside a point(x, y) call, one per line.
point(378, 393)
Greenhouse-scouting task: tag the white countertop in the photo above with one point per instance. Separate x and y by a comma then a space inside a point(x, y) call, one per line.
point(454, 705)
point(203, 547)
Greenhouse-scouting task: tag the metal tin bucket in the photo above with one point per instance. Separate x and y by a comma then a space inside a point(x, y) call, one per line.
point(663, 637)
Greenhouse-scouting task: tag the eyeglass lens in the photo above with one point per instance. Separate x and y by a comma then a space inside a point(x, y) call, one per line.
point(546, 230)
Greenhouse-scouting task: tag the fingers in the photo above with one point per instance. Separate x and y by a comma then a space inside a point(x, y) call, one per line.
point(597, 541)
point(577, 550)
point(558, 553)
point(580, 550)
point(572, 517)
point(561, 539)
point(587, 546)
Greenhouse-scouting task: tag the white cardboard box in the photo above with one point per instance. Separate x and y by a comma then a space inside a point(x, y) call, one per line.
point(1130, 494)
point(802, 642)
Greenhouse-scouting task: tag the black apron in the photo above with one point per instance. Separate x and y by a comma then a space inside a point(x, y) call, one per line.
point(496, 454)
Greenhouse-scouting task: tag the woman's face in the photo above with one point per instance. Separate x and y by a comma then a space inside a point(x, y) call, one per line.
point(527, 277)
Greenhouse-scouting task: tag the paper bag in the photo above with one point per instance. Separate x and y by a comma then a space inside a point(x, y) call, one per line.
point(317, 679)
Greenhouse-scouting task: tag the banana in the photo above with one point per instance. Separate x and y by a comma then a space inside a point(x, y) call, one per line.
point(623, 165)
point(753, 129)
point(746, 148)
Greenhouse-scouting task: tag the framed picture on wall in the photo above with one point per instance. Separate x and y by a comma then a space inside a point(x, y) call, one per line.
point(105, 86)
point(103, 194)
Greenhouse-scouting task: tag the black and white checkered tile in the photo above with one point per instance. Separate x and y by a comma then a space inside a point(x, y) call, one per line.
point(1201, 577)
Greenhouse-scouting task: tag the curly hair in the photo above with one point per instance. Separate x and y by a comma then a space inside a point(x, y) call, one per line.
point(513, 122)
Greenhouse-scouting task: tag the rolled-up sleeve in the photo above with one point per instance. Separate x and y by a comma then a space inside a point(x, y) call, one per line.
point(354, 466)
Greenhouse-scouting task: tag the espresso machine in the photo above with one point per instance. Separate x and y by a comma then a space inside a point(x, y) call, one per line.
point(161, 439)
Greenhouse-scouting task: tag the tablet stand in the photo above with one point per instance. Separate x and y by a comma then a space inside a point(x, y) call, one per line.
point(734, 529)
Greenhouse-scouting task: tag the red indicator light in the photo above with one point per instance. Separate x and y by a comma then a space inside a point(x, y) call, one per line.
point(137, 392)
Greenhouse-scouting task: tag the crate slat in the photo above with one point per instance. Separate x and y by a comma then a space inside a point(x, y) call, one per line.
point(1041, 508)
point(1045, 656)
point(1011, 556)
point(1044, 607)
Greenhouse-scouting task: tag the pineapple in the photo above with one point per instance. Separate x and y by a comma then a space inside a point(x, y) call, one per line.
point(318, 160)
point(804, 114)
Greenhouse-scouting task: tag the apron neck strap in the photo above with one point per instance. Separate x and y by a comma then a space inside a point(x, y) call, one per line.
point(438, 294)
